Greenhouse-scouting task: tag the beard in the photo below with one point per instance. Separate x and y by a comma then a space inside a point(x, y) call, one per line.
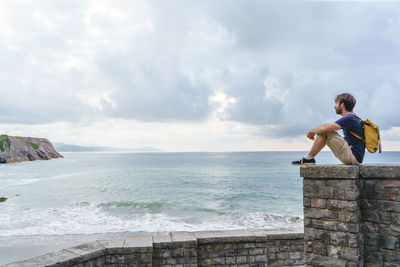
point(338, 110)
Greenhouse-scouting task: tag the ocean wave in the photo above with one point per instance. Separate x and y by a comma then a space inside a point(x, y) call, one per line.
point(35, 180)
point(92, 218)
point(140, 205)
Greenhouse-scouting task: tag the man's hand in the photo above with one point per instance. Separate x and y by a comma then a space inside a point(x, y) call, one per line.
point(310, 135)
point(323, 129)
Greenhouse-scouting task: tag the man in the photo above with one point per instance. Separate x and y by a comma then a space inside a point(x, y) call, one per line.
point(349, 150)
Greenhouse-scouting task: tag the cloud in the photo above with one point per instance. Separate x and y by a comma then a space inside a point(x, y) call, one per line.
point(278, 66)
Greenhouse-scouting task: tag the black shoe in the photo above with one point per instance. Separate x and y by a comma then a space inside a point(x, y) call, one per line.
point(304, 161)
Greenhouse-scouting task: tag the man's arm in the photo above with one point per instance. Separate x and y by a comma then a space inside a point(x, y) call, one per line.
point(323, 129)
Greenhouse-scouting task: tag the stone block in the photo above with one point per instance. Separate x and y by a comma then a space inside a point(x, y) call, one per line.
point(282, 255)
point(137, 242)
point(392, 256)
point(334, 204)
point(341, 183)
point(372, 263)
point(369, 188)
point(373, 253)
point(318, 192)
point(392, 206)
point(391, 183)
point(355, 240)
point(299, 262)
point(283, 237)
point(385, 194)
point(89, 250)
point(275, 263)
point(380, 171)
point(171, 261)
point(311, 234)
point(161, 240)
point(261, 258)
point(344, 253)
point(315, 182)
point(367, 204)
point(306, 201)
point(330, 171)
point(218, 261)
point(338, 238)
point(347, 193)
point(271, 256)
point(379, 240)
point(114, 246)
point(256, 251)
point(273, 248)
point(161, 253)
point(296, 255)
point(369, 227)
point(184, 239)
point(230, 260)
point(352, 193)
point(395, 194)
point(354, 264)
point(318, 260)
point(348, 227)
point(116, 259)
point(319, 248)
point(318, 203)
point(248, 245)
point(177, 252)
point(395, 218)
point(308, 246)
point(226, 236)
point(145, 258)
point(390, 230)
point(316, 213)
point(376, 216)
point(323, 224)
point(349, 216)
point(237, 245)
point(284, 248)
point(241, 259)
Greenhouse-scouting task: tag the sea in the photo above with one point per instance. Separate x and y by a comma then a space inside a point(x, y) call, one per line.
point(82, 197)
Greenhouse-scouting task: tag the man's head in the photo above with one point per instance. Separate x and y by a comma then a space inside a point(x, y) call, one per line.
point(348, 102)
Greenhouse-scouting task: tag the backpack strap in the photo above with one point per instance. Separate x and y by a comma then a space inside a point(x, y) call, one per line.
point(359, 137)
point(362, 124)
point(362, 121)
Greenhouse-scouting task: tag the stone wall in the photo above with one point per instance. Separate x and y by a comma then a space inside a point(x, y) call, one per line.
point(276, 247)
point(351, 215)
point(380, 213)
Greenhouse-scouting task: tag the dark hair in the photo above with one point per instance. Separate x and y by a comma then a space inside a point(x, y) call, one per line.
point(348, 100)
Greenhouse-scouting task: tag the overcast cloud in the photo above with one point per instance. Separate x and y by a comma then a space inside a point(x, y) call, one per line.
point(273, 66)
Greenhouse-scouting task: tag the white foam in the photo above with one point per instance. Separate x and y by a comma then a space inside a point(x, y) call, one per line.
point(85, 218)
point(54, 177)
point(27, 181)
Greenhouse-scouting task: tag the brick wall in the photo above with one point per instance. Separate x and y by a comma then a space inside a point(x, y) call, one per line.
point(380, 210)
point(351, 215)
point(253, 247)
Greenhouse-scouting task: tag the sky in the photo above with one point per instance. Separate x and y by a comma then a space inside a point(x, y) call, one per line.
point(198, 75)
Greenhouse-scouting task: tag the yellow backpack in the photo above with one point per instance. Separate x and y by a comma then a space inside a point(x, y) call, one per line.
point(372, 137)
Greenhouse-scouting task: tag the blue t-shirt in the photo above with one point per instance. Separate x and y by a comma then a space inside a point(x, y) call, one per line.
point(352, 123)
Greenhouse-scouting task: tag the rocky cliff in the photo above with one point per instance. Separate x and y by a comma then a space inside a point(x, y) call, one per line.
point(15, 148)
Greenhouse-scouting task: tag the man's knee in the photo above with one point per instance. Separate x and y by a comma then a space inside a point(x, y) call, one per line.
point(331, 133)
point(324, 136)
